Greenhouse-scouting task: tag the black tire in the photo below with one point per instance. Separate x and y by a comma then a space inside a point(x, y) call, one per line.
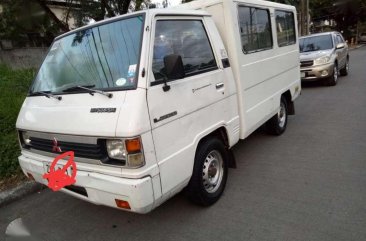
point(196, 190)
point(333, 80)
point(278, 123)
point(345, 70)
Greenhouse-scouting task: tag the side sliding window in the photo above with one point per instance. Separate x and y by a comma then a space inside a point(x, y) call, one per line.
point(255, 29)
point(286, 32)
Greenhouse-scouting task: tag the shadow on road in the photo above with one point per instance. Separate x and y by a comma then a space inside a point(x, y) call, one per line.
point(312, 84)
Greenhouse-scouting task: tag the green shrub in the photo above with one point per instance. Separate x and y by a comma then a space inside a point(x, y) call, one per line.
point(14, 85)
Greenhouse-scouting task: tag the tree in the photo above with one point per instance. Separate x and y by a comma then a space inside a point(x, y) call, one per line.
point(295, 3)
point(32, 22)
point(346, 13)
point(25, 23)
point(62, 25)
point(84, 10)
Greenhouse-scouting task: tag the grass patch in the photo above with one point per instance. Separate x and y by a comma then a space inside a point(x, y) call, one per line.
point(14, 85)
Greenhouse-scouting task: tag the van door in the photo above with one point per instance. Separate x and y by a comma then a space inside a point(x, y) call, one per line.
point(178, 115)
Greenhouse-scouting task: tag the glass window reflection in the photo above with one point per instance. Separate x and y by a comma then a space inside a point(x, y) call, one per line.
point(104, 56)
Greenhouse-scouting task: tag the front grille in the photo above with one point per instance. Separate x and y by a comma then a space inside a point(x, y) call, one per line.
point(90, 151)
point(307, 63)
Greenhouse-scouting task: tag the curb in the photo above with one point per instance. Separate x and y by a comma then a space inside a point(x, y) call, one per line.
point(19, 192)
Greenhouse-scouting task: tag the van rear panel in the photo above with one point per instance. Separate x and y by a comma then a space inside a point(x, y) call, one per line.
point(262, 75)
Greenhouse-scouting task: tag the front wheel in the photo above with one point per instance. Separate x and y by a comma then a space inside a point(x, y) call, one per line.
point(209, 173)
point(278, 123)
point(332, 81)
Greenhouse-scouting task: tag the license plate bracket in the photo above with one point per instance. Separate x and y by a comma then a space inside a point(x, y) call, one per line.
point(58, 167)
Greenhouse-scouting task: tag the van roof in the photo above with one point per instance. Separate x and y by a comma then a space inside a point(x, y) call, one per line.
point(197, 4)
point(153, 12)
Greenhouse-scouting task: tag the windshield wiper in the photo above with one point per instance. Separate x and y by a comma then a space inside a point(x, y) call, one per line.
point(47, 94)
point(88, 88)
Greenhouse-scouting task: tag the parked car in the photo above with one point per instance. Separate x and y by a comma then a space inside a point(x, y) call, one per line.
point(362, 38)
point(323, 57)
point(153, 101)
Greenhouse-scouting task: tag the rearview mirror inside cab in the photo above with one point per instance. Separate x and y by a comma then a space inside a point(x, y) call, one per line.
point(174, 67)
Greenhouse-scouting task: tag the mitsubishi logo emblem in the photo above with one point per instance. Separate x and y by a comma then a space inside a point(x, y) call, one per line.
point(55, 146)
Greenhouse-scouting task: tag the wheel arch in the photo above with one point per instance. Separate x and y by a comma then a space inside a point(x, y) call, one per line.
point(222, 134)
point(290, 103)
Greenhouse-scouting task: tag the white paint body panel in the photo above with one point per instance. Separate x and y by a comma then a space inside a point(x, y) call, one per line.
point(102, 189)
point(261, 77)
point(251, 92)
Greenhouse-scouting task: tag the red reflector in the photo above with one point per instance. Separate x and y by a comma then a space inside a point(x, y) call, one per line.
point(122, 204)
point(30, 176)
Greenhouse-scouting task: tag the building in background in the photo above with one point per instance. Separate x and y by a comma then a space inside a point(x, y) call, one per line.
point(62, 11)
point(33, 23)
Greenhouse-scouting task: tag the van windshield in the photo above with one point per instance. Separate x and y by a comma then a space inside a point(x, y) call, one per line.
point(316, 43)
point(103, 57)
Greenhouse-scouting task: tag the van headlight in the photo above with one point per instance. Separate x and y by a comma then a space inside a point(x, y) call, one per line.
point(322, 60)
point(128, 150)
point(116, 149)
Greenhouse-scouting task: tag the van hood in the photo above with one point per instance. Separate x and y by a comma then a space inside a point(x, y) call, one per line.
point(75, 114)
point(315, 54)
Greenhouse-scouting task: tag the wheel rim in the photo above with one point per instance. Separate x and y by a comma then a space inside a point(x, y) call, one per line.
point(213, 171)
point(347, 66)
point(335, 74)
point(282, 115)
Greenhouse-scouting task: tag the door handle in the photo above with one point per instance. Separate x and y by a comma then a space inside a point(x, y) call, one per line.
point(219, 85)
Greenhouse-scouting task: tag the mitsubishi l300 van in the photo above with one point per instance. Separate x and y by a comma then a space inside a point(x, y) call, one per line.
point(152, 102)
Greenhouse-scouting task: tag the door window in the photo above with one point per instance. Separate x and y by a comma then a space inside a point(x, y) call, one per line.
point(186, 38)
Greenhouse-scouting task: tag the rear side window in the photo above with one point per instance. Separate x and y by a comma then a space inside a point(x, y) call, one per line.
point(186, 38)
point(285, 23)
point(255, 29)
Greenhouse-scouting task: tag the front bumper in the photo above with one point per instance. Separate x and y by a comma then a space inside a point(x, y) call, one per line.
point(316, 72)
point(100, 189)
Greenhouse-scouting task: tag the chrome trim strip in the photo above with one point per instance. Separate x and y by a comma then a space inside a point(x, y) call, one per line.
point(76, 159)
point(64, 138)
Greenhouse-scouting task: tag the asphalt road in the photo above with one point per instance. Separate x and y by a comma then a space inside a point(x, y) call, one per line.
point(309, 184)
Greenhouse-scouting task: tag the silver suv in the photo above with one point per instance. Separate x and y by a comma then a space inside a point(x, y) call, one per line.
point(323, 57)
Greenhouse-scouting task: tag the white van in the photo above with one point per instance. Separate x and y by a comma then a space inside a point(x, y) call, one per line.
point(152, 102)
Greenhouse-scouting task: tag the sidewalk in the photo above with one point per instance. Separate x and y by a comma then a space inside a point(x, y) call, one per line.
point(16, 193)
point(355, 46)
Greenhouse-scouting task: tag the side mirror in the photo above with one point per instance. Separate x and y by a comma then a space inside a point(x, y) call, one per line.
point(174, 67)
point(340, 46)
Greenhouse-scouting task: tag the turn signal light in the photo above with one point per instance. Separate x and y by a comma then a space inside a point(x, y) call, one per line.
point(122, 204)
point(133, 145)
